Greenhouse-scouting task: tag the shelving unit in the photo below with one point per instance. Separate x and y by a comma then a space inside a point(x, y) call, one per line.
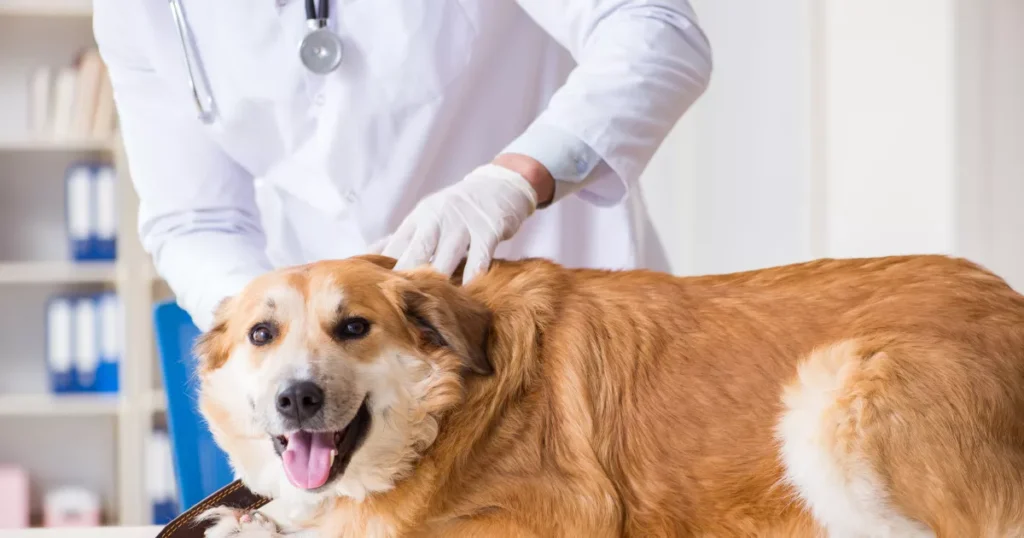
point(47, 405)
point(41, 145)
point(109, 431)
point(46, 8)
point(57, 273)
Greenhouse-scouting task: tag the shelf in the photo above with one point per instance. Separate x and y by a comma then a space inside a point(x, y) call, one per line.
point(46, 8)
point(57, 273)
point(54, 145)
point(156, 400)
point(71, 405)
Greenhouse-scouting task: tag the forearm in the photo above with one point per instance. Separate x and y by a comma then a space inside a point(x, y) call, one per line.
point(536, 174)
point(641, 65)
point(206, 257)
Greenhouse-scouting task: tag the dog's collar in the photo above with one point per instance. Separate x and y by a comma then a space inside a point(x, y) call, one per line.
point(234, 495)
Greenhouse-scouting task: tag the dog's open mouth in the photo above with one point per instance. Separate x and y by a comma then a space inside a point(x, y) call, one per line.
point(312, 459)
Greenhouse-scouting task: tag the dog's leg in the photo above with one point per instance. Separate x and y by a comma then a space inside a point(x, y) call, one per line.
point(229, 522)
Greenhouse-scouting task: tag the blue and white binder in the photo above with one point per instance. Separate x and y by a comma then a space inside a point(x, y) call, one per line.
point(80, 209)
point(105, 196)
point(111, 342)
point(86, 354)
point(59, 342)
point(160, 478)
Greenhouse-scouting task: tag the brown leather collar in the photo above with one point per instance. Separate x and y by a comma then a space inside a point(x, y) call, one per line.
point(233, 495)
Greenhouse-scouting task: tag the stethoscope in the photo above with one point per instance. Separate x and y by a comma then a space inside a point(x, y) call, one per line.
point(320, 51)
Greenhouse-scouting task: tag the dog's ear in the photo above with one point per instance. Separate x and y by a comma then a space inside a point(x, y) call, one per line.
point(378, 260)
point(389, 263)
point(213, 346)
point(446, 317)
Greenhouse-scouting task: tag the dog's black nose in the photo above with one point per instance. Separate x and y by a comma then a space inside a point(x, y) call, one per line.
point(300, 401)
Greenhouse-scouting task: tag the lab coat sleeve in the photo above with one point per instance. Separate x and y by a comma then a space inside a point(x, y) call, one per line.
point(640, 65)
point(197, 215)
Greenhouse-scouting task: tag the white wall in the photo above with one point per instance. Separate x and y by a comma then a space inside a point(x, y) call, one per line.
point(889, 139)
point(990, 120)
point(829, 129)
point(741, 160)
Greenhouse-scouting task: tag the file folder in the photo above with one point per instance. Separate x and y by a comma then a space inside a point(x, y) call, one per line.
point(59, 341)
point(105, 230)
point(80, 210)
point(111, 344)
point(86, 347)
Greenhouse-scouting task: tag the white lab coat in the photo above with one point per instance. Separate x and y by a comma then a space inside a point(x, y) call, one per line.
point(298, 167)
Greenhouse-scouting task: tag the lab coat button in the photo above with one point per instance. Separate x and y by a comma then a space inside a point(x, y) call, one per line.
point(320, 99)
point(581, 166)
point(350, 197)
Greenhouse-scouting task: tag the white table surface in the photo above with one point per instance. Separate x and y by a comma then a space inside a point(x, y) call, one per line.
point(95, 532)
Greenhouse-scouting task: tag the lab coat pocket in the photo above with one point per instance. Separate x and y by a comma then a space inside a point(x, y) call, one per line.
point(412, 49)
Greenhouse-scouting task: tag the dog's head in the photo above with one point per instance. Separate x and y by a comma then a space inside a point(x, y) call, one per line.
point(329, 379)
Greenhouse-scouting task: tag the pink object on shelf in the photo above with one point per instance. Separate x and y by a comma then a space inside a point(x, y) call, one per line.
point(13, 497)
point(71, 507)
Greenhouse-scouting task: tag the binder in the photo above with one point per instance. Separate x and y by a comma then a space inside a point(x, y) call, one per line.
point(160, 478)
point(104, 242)
point(62, 117)
point(39, 101)
point(86, 354)
point(79, 209)
point(111, 344)
point(86, 95)
point(59, 345)
point(104, 122)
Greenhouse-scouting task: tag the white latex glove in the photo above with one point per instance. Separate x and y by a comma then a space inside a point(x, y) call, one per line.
point(475, 214)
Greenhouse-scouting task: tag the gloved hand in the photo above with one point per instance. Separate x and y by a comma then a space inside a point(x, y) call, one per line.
point(475, 214)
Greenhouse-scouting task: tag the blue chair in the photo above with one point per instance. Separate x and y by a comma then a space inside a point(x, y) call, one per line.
point(200, 466)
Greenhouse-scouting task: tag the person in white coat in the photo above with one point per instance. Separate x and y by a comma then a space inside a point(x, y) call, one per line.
point(449, 129)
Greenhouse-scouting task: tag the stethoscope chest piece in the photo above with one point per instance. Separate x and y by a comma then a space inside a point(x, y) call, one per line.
point(321, 50)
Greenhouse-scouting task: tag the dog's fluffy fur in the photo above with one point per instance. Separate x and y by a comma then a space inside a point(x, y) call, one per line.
point(874, 397)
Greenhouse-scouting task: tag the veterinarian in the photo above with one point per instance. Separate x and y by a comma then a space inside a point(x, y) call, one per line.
point(278, 132)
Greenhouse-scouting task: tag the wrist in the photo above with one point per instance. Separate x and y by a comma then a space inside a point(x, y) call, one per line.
point(533, 171)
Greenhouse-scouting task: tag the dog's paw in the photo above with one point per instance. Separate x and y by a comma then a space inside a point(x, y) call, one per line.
point(232, 523)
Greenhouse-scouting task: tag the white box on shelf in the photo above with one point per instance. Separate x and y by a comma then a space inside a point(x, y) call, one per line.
point(71, 506)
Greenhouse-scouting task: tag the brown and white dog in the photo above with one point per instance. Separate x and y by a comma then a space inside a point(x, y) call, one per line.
point(875, 397)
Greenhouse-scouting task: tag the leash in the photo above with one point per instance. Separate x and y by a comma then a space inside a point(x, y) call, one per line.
point(234, 495)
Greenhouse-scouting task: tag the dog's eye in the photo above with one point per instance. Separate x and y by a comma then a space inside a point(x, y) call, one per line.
point(261, 334)
point(351, 328)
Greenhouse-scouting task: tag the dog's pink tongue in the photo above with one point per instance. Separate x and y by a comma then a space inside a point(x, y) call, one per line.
point(307, 460)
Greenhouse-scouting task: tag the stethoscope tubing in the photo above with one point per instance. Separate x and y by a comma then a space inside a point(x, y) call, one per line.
point(317, 17)
point(204, 104)
point(323, 13)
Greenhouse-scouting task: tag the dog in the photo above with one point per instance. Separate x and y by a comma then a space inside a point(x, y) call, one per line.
point(857, 397)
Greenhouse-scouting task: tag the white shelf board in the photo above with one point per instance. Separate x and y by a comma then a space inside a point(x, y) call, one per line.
point(156, 400)
point(46, 8)
point(70, 405)
point(57, 272)
point(54, 145)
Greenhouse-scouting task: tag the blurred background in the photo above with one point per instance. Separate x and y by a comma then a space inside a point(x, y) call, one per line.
point(831, 129)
